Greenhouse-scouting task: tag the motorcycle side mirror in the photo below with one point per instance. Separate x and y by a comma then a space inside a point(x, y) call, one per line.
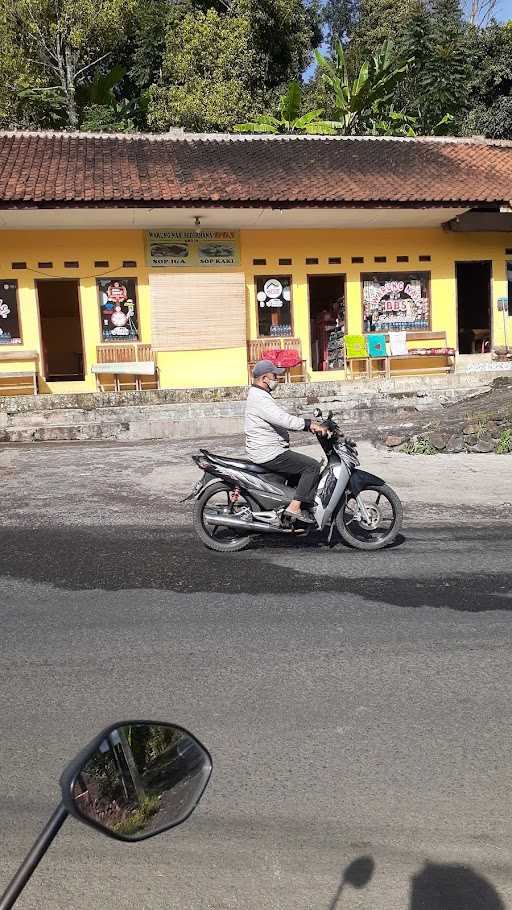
point(137, 779)
point(134, 780)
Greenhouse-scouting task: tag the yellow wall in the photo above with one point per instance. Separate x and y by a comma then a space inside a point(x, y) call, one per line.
point(445, 249)
point(229, 367)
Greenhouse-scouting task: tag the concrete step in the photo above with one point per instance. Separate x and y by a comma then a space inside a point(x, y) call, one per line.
point(213, 412)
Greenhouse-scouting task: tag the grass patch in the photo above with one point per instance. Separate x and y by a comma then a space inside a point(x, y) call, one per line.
point(419, 446)
point(139, 817)
point(504, 446)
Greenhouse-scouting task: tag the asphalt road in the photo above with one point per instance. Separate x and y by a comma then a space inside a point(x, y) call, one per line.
point(355, 705)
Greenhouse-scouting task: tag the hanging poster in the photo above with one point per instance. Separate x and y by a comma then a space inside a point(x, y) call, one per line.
point(9, 319)
point(202, 248)
point(274, 305)
point(118, 309)
point(396, 301)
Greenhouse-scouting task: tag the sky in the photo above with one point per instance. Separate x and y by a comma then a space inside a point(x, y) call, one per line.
point(503, 9)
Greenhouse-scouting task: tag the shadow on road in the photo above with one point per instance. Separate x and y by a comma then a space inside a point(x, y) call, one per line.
point(436, 887)
point(126, 558)
point(357, 874)
point(452, 887)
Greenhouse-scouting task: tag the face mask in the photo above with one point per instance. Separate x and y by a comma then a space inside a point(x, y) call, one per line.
point(272, 384)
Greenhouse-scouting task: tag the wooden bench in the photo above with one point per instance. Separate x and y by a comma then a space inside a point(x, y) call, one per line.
point(19, 382)
point(433, 342)
point(440, 343)
point(256, 349)
point(135, 362)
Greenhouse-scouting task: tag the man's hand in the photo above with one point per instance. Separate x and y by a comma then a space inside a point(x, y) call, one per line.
point(318, 428)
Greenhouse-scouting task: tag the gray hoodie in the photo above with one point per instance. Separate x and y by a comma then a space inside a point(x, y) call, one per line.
point(267, 425)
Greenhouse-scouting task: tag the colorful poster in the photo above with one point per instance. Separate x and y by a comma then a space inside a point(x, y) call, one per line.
point(118, 309)
point(192, 249)
point(9, 319)
point(396, 302)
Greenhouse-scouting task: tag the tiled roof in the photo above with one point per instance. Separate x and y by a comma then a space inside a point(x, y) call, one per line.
point(68, 169)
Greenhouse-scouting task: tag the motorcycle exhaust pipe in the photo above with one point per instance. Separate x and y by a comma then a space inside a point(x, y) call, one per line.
point(228, 521)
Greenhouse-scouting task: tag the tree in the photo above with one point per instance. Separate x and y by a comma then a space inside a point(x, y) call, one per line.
point(103, 107)
point(205, 74)
point(65, 39)
point(436, 89)
point(482, 12)
point(282, 36)
point(377, 21)
point(289, 119)
point(340, 18)
point(222, 65)
point(360, 103)
point(490, 84)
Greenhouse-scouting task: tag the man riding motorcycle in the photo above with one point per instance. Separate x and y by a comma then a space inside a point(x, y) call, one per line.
point(268, 441)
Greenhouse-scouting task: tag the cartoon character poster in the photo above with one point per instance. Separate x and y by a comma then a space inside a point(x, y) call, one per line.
point(118, 309)
point(9, 318)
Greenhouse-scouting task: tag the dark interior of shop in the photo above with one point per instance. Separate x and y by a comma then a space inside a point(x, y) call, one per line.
point(61, 330)
point(474, 306)
point(327, 320)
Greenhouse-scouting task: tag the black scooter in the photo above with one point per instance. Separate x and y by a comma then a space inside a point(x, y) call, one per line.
point(236, 499)
point(133, 781)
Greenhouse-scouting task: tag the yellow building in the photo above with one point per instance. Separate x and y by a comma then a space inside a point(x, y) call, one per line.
point(131, 261)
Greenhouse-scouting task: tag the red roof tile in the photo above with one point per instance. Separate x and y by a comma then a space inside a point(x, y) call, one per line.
point(62, 169)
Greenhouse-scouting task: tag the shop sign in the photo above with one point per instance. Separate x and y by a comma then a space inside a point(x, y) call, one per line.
point(9, 318)
point(118, 309)
point(192, 249)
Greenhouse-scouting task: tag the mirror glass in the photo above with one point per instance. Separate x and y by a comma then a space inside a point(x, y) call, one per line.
point(143, 779)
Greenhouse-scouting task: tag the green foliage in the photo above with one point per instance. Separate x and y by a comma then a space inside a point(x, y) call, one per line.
point(364, 103)
point(289, 119)
point(210, 64)
point(205, 81)
point(282, 35)
point(340, 18)
point(102, 110)
point(435, 91)
point(419, 446)
point(490, 84)
point(375, 22)
point(139, 817)
point(65, 39)
point(504, 446)
point(219, 66)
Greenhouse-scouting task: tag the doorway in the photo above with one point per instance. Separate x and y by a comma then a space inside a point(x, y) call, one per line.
point(61, 330)
point(474, 307)
point(326, 321)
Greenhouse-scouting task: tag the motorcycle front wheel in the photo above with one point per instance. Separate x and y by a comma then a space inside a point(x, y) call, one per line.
point(381, 524)
point(216, 500)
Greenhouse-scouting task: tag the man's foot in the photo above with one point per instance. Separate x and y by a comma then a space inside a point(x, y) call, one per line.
point(302, 517)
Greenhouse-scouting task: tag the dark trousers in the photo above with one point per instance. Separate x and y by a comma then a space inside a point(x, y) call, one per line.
point(307, 470)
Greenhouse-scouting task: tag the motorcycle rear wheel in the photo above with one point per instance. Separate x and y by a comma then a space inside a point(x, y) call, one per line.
point(356, 533)
point(216, 537)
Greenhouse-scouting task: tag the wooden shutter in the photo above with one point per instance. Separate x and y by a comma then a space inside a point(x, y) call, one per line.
point(195, 312)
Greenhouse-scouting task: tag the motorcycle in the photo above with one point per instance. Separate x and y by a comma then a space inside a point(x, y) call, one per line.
point(135, 779)
point(237, 499)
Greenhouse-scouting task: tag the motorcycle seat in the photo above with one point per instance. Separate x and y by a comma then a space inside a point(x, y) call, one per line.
point(242, 464)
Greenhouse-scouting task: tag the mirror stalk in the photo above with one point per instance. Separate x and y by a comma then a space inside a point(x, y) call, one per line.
point(33, 857)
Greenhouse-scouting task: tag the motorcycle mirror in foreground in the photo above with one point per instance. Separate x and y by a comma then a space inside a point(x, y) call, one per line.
point(134, 780)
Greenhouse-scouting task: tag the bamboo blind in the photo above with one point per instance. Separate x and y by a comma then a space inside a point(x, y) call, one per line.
point(195, 312)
